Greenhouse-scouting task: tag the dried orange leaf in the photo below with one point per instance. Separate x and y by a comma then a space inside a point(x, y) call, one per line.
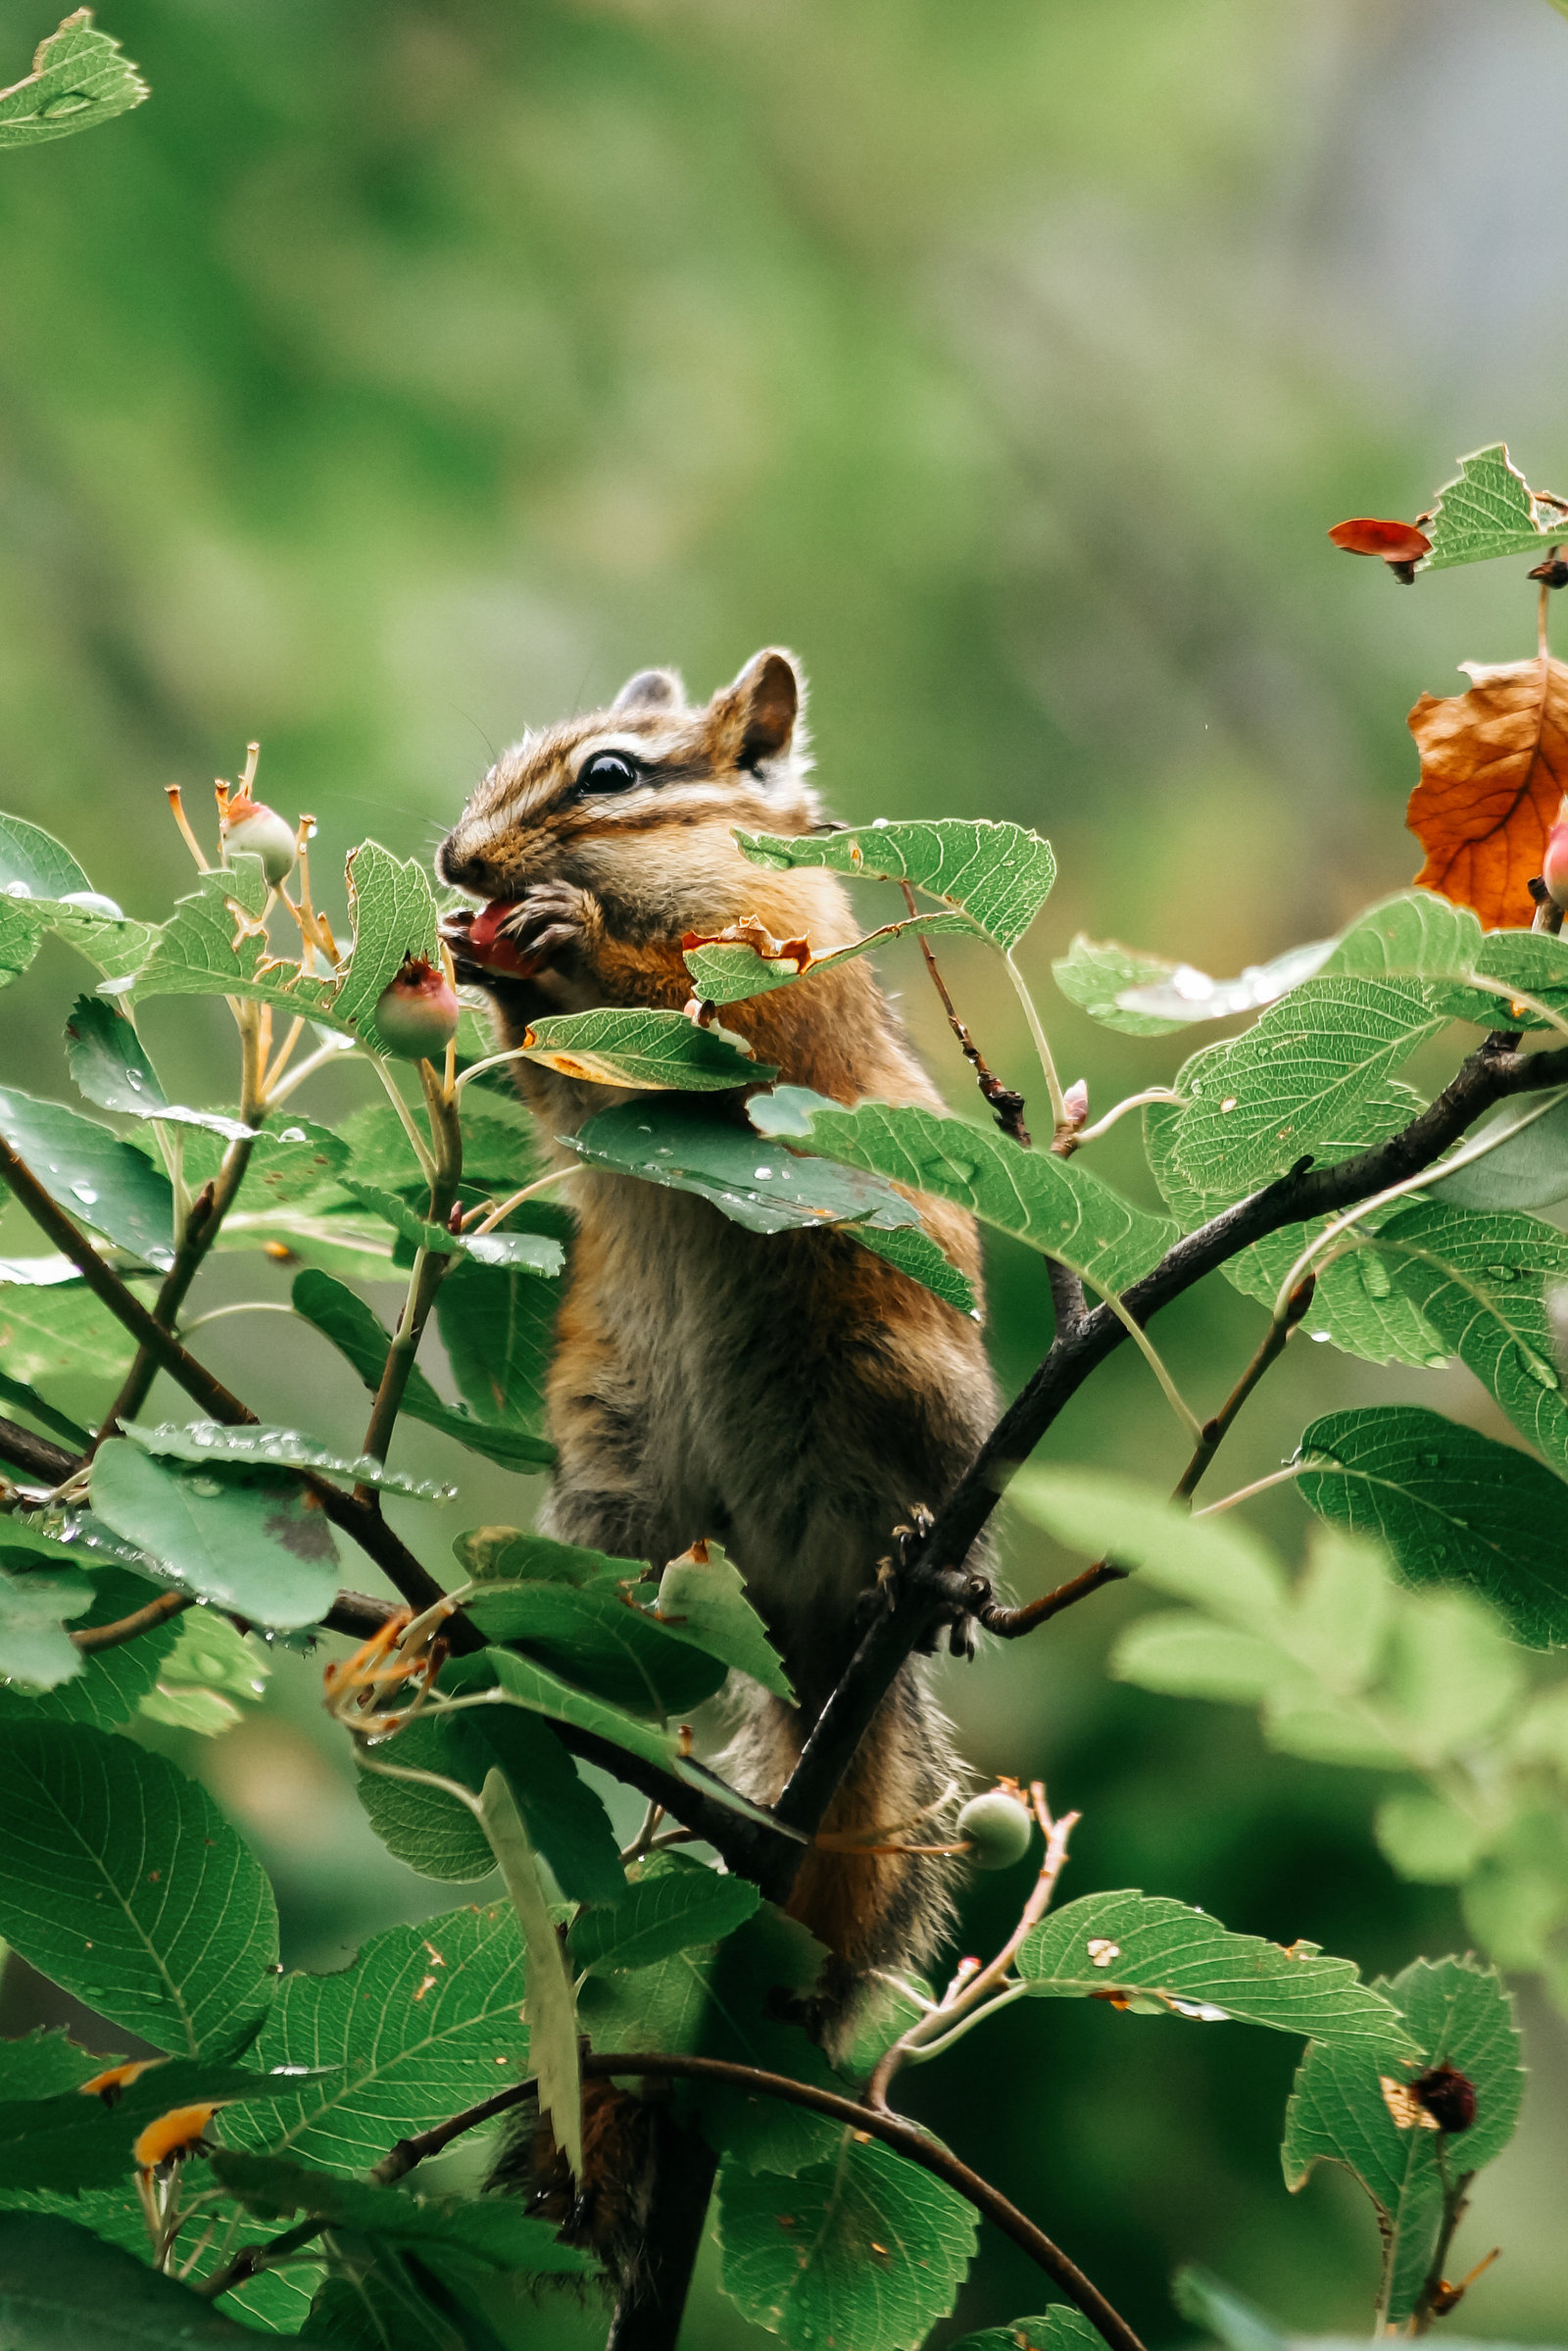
point(1494, 771)
point(1394, 542)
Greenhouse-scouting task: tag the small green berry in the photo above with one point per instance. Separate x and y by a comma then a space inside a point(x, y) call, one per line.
point(998, 1829)
point(416, 1015)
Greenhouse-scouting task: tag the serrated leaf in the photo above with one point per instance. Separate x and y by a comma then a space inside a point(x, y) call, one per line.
point(62, 2288)
point(67, 2141)
point(277, 1448)
point(35, 1609)
point(440, 1837)
point(112, 1683)
point(863, 2249)
point(1094, 974)
point(50, 1328)
point(1479, 1281)
point(753, 1180)
point(506, 1554)
point(497, 1325)
point(1489, 510)
point(1187, 995)
point(913, 1252)
point(1053, 1204)
point(1458, 2013)
point(393, 914)
point(252, 1540)
point(421, 2022)
point(701, 1600)
point(1215, 1564)
point(96, 1178)
point(999, 875)
point(287, 1164)
point(22, 929)
point(549, 2007)
point(206, 950)
point(1453, 1507)
point(1414, 935)
point(647, 1050)
point(372, 2303)
point(600, 1642)
point(521, 1252)
point(1259, 1103)
point(356, 1332)
point(745, 961)
point(1059, 2328)
point(1135, 1946)
point(105, 1058)
point(670, 1911)
point(1527, 1170)
point(79, 78)
point(490, 2229)
point(32, 863)
point(121, 1880)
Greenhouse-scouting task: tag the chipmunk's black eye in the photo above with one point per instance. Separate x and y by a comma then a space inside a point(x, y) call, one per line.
point(609, 771)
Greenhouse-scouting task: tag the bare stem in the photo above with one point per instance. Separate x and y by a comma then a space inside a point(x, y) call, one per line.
point(129, 1627)
point(1271, 1347)
point(1008, 1106)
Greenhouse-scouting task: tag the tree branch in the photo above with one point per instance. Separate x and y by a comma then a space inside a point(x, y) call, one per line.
point(142, 1620)
point(39, 1457)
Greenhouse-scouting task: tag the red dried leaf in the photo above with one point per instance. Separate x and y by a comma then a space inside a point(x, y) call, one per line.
point(1494, 772)
point(748, 932)
point(1394, 542)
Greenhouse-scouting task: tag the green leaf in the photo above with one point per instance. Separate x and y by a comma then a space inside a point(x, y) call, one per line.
point(1053, 1204)
point(1059, 2328)
point(255, 1444)
point(1489, 510)
point(1139, 1947)
point(865, 2249)
point(725, 969)
point(44, 2064)
point(65, 2141)
point(753, 1180)
point(490, 2229)
point(1528, 1171)
point(673, 1910)
point(1096, 973)
point(1237, 2324)
point(701, 1600)
point(1480, 1280)
point(440, 1837)
point(252, 1540)
point(1414, 935)
point(105, 1057)
point(519, 1681)
point(506, 1554)
point(62, 2288)
point(1427, 1839)
point(210, 1666)
point(21, 1397)
point(286, 1166)
point(1190, 1656)
point(549, 2007)
point(112, 1682)
point(642, 1049)
point(354, 1330)
point(204, 949)
point(32, 863)
point(422, 2022)
point(999, 875)
point(35, 1609)
point(22, 929)
point(1458, 2014)
point(392, 912)
point(1453, 1507)
point(1185, 994)
point(372, 2303)
point(1261, 1102)
point(79, 78)
point(96, 1178)
point(916, 1253)
point(526, 1253)
point(121, 1880)
point(601, 1642)
point(1214, 1562)
point(49, 1328)
point(497, 1325)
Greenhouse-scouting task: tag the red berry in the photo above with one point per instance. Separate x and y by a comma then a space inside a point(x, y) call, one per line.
point(486, 943)
point(260, 832)
point(416, 1015)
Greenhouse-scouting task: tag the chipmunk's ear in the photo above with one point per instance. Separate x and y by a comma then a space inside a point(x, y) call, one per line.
point(651, 690)
point(753, 720)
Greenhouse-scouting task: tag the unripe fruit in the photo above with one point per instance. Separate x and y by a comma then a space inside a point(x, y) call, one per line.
point(1555, 864)
point(260, 832)
point(416, 1015)
point(998, 1829)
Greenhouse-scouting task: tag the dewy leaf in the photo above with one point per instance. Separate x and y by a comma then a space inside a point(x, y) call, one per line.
point(645, 1049)
point(865, 2249)
point(252, 1540)
point(526, 1253)
point(413, 2027)
point(1261, 1102)
point(276, 1449)
point(1489, 510)
point(999, 875)
point(121, 1881)
point(1480, 1280)
point(1494, 771)
point(344, 1318)
point(1529, 1170)
point(744, 961)
point(32, 863)
point(112, 1683)
point(1144, 1947)
point(62, 2288)
point(1453, 1507)
point(79, 78)
point(440, 1837)
point(34, 1645)
point(1345, 2108)
point(673, 1910)
point(497, 1324)
point(1055, 1205)
point(22, 929)
point(702, 1598)
point(1096, 973)
point(206, 949)
point(1215, 1564)
point(752, 1179)
point(393, 913)
point(550, 2007)
point(1189, 994)
point(96, 1178)
point(105, 1057)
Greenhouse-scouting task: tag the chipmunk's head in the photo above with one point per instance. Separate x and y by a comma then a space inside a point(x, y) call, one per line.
point(640, 800)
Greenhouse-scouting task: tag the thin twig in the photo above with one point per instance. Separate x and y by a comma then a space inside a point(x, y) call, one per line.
point(1010, 1624)
point(140, 1620)
point(1006, 1105)
point(1272, 1346)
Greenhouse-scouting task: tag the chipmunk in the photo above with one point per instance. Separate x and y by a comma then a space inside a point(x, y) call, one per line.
point(789, 1395)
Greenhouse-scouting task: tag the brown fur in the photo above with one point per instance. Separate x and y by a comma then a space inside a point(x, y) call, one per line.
point(789, 1395)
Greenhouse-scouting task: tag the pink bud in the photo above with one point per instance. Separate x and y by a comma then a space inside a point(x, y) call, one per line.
point(416, 1015)
point(260, 832)
point(1075, 1103)
point(1555, 864)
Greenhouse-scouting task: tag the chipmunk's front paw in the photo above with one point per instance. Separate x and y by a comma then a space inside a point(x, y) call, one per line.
point(554, 922)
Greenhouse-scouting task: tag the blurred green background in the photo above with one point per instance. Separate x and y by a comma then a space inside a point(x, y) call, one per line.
point(405, 373)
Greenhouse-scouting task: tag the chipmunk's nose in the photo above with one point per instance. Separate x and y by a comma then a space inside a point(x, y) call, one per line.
point(460, 870)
